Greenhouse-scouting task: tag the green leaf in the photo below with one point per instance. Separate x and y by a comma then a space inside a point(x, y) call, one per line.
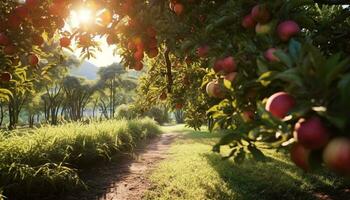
point(294, 50)
point(292, 76)
point(266, 78)
point(284, 58)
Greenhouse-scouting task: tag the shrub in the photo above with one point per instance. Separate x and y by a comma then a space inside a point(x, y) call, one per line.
point(47, 160)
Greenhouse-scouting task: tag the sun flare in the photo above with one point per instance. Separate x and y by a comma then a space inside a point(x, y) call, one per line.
point(83, 16)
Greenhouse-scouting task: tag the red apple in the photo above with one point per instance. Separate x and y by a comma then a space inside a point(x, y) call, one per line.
point(65, 42)
point(4, 40)
point(138, 55)
point(10, 49)
point(229, 65)
point(31, 3)
point(138, 66)
point(336, 155)
point(311, 133)
point(14, 22)
point(203, 51)
point(5, 77)
point(269, 55)
point(300, 156)
point(279, 104)
point(37, 40)
point(262, 29)
point(248, 116)
point(33, 60)
point(218, 65)
point(152, 53)
point(214, 89)
point(163, 96)
point(231, 76)
point(152, 43)
point(260, 14)
point(22, 12)
point(178, 106)
point(248, 22)
point(111, 39)
point(287, 29)
point(178, 8)
point(84, 40)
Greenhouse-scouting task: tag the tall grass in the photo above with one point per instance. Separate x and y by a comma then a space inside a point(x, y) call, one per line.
point(47, 160)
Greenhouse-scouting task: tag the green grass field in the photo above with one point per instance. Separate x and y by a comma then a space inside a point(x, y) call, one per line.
point(48, 160)
point(193, 172)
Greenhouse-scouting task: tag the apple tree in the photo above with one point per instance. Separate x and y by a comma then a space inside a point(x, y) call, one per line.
point(273, 72)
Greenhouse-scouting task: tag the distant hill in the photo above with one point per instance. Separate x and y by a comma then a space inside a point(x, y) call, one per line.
point(86, 69)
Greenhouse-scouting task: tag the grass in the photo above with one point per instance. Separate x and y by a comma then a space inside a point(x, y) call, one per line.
point(193, 172)
point(48, 160)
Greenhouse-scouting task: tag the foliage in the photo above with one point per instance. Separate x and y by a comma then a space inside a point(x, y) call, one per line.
point(47, 160)
point(310, 62)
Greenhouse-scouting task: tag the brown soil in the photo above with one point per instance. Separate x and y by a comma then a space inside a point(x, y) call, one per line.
point(127, 180)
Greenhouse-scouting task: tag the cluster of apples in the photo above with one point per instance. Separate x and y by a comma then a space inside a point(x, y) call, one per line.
point(228, 69)
point(259, 19)
point(177, 7)
point(139, 45)
point(311, 134)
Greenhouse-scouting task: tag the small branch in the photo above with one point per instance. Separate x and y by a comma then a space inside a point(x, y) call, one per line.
point(168, 70)
point(333, 2)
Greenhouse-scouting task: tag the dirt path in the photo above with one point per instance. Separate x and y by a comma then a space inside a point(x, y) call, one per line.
point(127, 180)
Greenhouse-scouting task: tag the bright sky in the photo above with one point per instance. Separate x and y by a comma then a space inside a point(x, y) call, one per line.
point(103, 58)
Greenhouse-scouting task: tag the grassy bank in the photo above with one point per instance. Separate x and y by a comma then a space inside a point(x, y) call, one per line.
point(48, 160)
point(193, 172)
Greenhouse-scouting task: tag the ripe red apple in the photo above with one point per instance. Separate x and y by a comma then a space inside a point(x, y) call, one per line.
point(84, 40)
point(203, 51)
point(178, 8)
point(4, 40)
point(65, 42)
point(311, 133)
point(214, 89)
point(31, 3)
point(111, 39)
point(21, 12)
point(269, 55)
point(279, 104)
point(248, 22)
point(260, 14)
point(152, 43)
point(178, 106)
point(138, 55)
point(218, 65)
point(262, 28)
point(336, 155)
point(13, 21)
point(152, 53)
point(138, 66)
point(248, 115)
point(10, 49)
point(229, 65)
point(37, 40)
point(5, 77)
point(33, 60)
point(231, 76)
point(287, 29)
point(163, 96)
point(300, 156)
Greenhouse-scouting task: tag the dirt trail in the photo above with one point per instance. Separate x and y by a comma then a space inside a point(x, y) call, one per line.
point(127, 180)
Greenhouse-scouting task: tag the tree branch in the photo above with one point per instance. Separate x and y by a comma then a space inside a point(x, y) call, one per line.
point(168, 69)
